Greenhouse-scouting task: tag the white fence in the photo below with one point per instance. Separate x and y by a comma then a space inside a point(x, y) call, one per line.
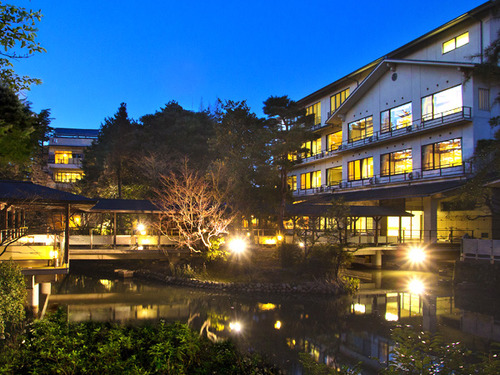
point(480, 249)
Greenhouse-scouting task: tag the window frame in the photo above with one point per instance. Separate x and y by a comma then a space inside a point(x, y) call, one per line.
point(333, 99)
point(392, 164)
point(310, 180)
point(434, 115)
point(391, 126)
point(327, 177)
point(436, 156)
point(367, 133)
point(455, 42)
point(315, 109)
point(358, 175)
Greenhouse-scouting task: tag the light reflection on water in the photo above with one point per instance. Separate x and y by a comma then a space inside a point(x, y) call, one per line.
point(332, 330)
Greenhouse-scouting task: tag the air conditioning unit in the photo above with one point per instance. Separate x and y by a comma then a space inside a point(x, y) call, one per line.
point(372, 181)
point(409, 129)
point(340, 147)
point(413, 175)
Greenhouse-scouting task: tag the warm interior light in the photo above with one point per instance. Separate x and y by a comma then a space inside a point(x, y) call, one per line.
point(277, 325)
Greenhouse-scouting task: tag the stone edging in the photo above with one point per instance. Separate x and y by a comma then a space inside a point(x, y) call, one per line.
point(282, 288)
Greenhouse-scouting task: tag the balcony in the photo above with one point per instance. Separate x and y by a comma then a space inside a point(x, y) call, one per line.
point(461, 170)
point(63, 163)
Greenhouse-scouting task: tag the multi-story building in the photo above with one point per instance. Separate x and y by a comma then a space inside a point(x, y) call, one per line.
point(399, 132)
point(66, 147)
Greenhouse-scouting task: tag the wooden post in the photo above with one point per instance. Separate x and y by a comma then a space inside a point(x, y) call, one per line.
point(114, 230)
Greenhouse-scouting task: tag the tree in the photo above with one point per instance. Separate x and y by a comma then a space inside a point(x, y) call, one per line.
point(109, 163)
point(22, 133)
point(291, 130)
point(240, 145)
point(194, 212)
point(18, 39)
point(12, 296)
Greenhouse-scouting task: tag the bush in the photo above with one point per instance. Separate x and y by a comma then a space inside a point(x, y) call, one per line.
point(52, 346)
point(12, 297)
point(289, 255)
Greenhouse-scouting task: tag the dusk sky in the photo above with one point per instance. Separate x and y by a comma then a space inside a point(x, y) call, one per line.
point(147, 53)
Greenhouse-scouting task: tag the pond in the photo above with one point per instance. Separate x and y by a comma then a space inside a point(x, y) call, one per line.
point(332, 329)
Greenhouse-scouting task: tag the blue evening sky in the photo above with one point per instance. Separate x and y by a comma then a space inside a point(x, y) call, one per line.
point(146, 53)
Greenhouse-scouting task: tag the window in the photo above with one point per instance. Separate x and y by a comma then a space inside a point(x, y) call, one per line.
point(310, 180)
point(395, 118)
point(360, 169)
point(334, 140)
point(337, 99)
point(442, 154)
point(484, 99)
point(315, 110)
point(396, 163)
point(67, 176)
point(62, 157)
point(292, 182)
point(312, 148)
point(360, 129)
point(333, 176)
point(441, 104)
point(456, 42)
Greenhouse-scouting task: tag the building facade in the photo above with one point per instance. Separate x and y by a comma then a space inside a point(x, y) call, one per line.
point(66, 147)
point(400, 132)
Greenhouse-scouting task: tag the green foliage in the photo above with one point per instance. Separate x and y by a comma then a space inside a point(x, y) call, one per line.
point(311, 367)
point(289, 255)
point(425, 353)
point(183, 271)
point(350, 284)
point(52, 346)
point(17, 40)
point(12, 297)
point(215, 251)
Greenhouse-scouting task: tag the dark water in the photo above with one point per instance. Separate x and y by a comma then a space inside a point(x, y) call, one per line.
point(333, 330)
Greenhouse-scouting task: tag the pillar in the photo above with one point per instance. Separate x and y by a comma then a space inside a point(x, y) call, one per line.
point(33, 293)
point(430, 219)
point(378, 259)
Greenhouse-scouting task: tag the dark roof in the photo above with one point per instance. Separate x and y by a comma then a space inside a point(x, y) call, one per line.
point(125, 205)
point(307, 209)
point(409, 191)
point(28, 192)
point(76, 133)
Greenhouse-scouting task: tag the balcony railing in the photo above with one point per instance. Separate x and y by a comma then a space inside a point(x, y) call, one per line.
point(419, 125)
point(460, 170)
point(71, 161)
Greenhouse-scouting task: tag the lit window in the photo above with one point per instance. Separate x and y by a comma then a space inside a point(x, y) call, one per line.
point(396, 118)
point(456, 42)
point(337, 99)
point(311, 148)
point(361, 129)
point(398, 162)
point(360, 169)
point(334, 140)
point(310, 180)
point(292, 182)
point(333, 176)
point(442, 154)
point(67, 176)
point(62, 157)
point(442, 103)
point(315, 110)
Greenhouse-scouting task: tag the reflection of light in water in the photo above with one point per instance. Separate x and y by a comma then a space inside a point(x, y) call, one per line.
point(277, 325)
point(106, 283)
point(236, 326)
point(416, 255)
point(416, 286)
point(359, 308)
point(266, 306)
point(390, 317)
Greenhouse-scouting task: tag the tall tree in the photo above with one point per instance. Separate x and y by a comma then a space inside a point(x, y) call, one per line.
point(241, 144)
point(109, 162)
point(291, 129)
point(18, 40)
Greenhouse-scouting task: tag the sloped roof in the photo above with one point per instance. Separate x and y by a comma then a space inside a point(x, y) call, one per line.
point(28, 192)
point(125, 206)
point(76, 133)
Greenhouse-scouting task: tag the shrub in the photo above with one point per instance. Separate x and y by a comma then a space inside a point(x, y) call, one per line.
point(289, 255)
point(12, 297)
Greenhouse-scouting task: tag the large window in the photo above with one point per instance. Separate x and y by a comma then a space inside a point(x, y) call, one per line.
point(361, 129)
point(442, 103)
point(483, 98)
point(292, 182)
point(442, 154)
point(456, 42)
point(337, 99)
point(395, 118)
point(333, 176)
point(310, 180)
point(62, 157)
point(360, 169)
point(312, 148)
point(67, 176)
point(396, 163)
point(334, 140)
point(315, 110)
